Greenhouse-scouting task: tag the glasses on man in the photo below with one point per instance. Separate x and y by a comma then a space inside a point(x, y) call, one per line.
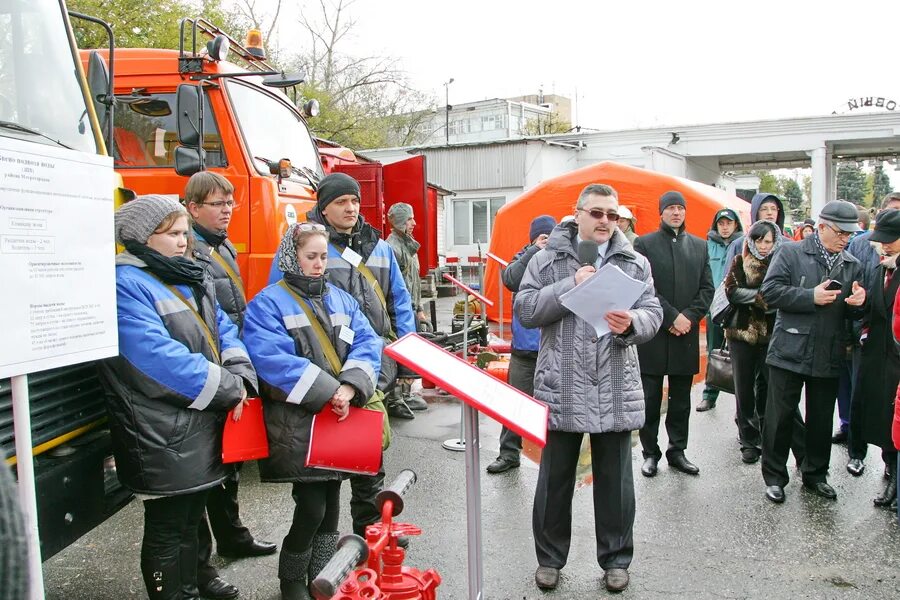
point(308, 226)
point(599, 213)
point(218, 204)
point(840, 232)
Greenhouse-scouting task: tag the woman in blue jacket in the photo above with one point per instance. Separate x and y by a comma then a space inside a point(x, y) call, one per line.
point(181, 367)
point(297, 381)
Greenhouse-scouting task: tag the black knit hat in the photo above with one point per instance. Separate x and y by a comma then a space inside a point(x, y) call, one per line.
point(334, 186)
point(669, 199)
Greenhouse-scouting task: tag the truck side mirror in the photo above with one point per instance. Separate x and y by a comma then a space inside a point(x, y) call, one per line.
point(188, 160)
point(187, 107)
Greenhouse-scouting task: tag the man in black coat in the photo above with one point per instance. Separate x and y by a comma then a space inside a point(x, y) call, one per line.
point(814, 284)
point(685, 289)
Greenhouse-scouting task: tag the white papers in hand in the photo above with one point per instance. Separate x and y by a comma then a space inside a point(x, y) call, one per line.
point(606, 290)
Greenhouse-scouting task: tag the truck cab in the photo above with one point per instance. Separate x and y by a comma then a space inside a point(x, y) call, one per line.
point(249, 126)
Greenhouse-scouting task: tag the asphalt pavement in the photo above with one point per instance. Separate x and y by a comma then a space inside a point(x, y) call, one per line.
point(709, 536)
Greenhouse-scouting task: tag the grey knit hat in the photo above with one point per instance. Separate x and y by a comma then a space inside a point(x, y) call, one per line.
point(399, 214)
point(138, 219)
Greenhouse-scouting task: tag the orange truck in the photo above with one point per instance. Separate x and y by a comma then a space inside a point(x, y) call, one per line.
point(180, 111)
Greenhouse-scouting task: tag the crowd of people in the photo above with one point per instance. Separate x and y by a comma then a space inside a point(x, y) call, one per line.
point(808, 310)
point(192, 351)
point(815, 313)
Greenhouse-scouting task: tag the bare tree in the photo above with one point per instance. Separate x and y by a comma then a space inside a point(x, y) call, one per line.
point(364, 99)
point(262, 20)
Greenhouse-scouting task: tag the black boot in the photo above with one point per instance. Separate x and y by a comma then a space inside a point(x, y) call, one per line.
point(292, 569)
point(162, 578)
point(324, 546)
point(889, 493)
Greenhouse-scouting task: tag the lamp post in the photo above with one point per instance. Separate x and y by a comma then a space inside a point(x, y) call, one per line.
point(447, 109)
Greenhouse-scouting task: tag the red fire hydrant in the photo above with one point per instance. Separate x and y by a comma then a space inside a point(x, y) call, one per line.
point(384, 577)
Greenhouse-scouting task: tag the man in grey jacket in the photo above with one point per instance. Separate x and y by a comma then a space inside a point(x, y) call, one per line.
point(592, 384)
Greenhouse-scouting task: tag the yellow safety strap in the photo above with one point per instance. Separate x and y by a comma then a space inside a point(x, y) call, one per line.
point(228, 271)
point(324, 341)
point(210, 338)
point(367, 274)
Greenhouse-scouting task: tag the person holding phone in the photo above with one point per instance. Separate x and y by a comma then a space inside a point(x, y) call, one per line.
point(809, 344)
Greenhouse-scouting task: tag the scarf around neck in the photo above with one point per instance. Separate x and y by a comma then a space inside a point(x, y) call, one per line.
point(830, 258)
point(173, 271)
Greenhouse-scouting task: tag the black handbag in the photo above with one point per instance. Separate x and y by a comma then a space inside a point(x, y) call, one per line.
point(719, 372)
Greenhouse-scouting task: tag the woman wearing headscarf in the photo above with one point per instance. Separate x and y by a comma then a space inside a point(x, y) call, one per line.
point(290, 329)
point(181, 368)
point(750, 330)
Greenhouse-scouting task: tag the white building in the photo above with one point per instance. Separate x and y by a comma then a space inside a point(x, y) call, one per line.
point(487, 174)
point(482, 121)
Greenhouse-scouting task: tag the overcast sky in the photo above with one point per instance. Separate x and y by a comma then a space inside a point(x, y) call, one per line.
point(639, 63)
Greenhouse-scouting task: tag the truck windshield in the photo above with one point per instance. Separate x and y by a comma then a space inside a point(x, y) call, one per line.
point(273, 130)
point(41, 98)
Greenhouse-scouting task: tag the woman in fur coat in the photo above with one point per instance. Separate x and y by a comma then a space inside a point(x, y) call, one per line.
point(750, 330)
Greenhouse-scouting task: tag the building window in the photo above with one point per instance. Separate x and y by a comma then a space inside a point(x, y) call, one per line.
point(492, 122)
point(473, 220)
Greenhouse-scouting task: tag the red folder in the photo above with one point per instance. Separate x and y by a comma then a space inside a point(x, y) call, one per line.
point(245, 439)
point(352, 445)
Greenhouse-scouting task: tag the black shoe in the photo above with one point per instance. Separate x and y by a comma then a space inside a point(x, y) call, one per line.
point(821, 489)
point(218, 589)
point(839, 437)
point(253, 548)
point(616, 580)
point(706, 405)
point(399, 410)
point(681, 463)
point(502, 464)
point(855, 467)
point(749, 455)
point(648, 469)
point(775, 493)
point(546, 578)
point(415, 402)
point(888, 495)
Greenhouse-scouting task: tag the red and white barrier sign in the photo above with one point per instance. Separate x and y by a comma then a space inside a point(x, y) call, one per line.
point(500, 401)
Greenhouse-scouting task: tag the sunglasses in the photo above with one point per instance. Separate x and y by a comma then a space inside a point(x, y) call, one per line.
point(599, 213)
point(308, 226)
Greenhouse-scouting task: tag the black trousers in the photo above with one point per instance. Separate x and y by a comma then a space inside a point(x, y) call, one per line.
point(613, 491)
point(677, 415)
point(521, 377)
point(363, 510)
point(783, 401)
point(223, 516)
point(751, 383)
point(317, 507)
point(169, 546)
point(748, 362)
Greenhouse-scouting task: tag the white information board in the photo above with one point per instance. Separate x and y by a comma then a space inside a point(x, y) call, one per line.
point(500, 401)
point(57, 257)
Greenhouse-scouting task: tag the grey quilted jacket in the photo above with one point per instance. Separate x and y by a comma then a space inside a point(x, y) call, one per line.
point(591, 385)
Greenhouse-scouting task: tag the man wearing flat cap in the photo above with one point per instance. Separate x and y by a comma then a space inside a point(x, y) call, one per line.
point(684, 288)
point(872, 406)
point(814, 284)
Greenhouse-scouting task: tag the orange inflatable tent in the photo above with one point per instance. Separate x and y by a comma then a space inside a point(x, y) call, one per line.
point(638, 189)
